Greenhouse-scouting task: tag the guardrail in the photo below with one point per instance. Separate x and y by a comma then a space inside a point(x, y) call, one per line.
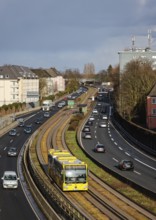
point(39, 198)
point(117, 175)
point(45, 194)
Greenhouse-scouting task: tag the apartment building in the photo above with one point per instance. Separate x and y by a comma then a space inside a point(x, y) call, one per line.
point(151, 109)
point(52, 81)
point(18, 84)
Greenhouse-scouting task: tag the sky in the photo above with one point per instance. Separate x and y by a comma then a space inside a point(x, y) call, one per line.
point(67, 34)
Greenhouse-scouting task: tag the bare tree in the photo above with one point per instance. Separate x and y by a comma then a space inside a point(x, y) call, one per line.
point(42, 87)
point(89, 70)
point(135, 84)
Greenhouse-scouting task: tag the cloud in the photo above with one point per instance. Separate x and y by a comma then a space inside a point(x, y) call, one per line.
point(71, 33)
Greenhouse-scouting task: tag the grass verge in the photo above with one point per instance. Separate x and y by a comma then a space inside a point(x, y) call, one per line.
point(126, 190)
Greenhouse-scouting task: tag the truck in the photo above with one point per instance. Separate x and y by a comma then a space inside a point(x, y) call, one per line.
point(47, 105)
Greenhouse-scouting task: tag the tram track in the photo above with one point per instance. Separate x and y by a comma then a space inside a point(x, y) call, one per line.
point(97, 198)
point(93, 204)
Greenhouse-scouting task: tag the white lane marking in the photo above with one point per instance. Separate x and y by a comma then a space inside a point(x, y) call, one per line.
point(11, 140)
point(115, 159)
point(127, 154)
point(95, 136)
point(120, 148)
point(137, 172)
point(112, 139)
point(115, 143)
point(5, 148)
point(153, 168)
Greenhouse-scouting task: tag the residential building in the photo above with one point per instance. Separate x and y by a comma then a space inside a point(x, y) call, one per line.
point(18, 84)
point(53, 80)
point(151, 109)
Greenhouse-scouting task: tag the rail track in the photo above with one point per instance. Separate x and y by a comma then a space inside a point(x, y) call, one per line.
point(93, 204)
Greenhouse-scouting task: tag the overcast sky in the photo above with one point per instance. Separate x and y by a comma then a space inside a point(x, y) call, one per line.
point(67, 34)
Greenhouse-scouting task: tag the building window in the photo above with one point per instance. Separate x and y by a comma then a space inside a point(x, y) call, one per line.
point(153, 100)
point(154, 111)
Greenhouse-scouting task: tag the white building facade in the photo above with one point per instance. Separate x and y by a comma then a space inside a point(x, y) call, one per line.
point(18, 84)
point(58, 84)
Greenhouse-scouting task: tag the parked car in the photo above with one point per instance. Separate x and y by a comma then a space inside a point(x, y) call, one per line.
point(100, 148)
point(12, 152)
point(10, 179)
point(13, 132)
point(86, 129)
point(126, 165)
point(87, 135)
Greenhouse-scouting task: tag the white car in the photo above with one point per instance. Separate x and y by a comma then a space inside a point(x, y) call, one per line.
point(13, 132)
point(103, 124)
point(91, 118)
point(60, 105)
point(105, 117)
point(95, 111)
point(87, 135)
point(10, 179)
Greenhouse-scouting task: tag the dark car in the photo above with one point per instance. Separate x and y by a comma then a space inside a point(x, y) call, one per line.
point(13, 132)
point(38, 121)
point(86, 129)
point(100, 148)
point(12, 152)
point(46, 114)
point(89, 123)
point(126, 165)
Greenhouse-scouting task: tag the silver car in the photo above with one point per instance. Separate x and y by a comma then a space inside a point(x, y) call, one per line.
point(13, 132)
point(87, 135)
point(10, 179)
point(103, 124)
point(12, 152)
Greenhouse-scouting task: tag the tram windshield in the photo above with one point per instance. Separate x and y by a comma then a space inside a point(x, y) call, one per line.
point(75, 174)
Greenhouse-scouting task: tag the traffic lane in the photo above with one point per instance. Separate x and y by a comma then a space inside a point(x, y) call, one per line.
point(139, 175)
point(14, 205)
point(130, 150)
point(115, 155)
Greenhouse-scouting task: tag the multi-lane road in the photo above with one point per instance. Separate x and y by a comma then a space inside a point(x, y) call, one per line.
point(117, 148)
point(14, 203)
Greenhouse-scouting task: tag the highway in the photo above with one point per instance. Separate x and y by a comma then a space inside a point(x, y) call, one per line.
point(13, 202)
point(117, 148)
